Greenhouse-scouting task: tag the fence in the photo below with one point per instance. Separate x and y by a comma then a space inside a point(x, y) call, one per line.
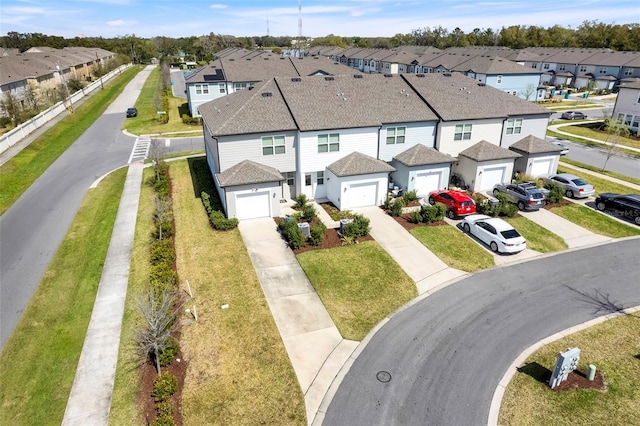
point(16, 135)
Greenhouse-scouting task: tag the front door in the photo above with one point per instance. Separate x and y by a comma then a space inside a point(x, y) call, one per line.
point(289, 185)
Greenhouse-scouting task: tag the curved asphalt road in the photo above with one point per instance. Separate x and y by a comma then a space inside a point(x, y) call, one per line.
point(32, 229)
point(446, 353)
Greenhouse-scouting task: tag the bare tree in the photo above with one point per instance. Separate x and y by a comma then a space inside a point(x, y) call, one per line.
point(162, 213)
point(159, 310)
point(615, 130)
point(156, 154)
point(529, 90)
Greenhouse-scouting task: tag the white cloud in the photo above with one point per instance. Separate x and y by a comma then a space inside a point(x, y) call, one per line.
point(121, 23)
point(218, 6)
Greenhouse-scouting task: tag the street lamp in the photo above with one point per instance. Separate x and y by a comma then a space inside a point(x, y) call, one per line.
point(66, 88)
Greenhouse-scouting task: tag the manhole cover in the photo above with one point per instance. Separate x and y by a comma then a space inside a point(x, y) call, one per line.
point(383, 376)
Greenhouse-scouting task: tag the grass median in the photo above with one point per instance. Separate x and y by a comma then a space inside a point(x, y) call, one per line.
point(359, 284)
point(40, 358)
point(538, 238)
point(597, 170)
point(612, 347)
point(596, 222)
point(17, 174)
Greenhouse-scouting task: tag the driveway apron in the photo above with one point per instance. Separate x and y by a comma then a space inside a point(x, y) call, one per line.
point(315, 347)
point(422, 266)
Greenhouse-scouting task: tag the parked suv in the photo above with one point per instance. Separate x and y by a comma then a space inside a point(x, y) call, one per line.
point(458, 203)
point(525, 195)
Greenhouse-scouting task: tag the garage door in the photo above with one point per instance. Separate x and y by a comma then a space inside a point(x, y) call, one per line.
point(491, 176)
point(252, 205)
point(541, 167)
point(362, 194)
point(427, 182)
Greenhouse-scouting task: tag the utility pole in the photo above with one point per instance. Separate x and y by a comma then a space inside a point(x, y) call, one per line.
point(101, 72)
point(66, 88)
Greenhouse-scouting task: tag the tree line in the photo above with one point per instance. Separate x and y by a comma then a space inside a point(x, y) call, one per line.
point(590, 34)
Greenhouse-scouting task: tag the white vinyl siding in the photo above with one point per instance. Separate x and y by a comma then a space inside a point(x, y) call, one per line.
point(531, 125)
point(234, 149)
point(489, 130)
point(415, 133)
point(202, 89)
point(222, 88)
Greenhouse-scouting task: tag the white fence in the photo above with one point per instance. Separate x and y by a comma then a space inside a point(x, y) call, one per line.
point(16, 135)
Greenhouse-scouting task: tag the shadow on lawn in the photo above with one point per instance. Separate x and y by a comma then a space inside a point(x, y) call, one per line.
point(201, 176)
point(538, 372)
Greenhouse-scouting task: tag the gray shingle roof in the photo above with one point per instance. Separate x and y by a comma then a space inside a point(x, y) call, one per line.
point(248, 172)
point(485, 64)
point(485, 151)
point(420, 155)
point(533, 145)
point(359, 164)
point(630, 83)
point(458, 97)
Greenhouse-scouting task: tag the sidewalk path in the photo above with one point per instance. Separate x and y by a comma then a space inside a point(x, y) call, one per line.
point(556, 127)
point(315, 347)
point(90, 398)
point(422, 266)
point(600, 175)
point(574, 235)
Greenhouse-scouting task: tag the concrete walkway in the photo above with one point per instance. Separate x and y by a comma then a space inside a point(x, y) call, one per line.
point(315, 347)
point(574, 235)
point(556, 129)
point(90, 398)
point(422, 266)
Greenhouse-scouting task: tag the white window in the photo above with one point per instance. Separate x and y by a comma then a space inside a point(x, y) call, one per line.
point(222, 88)
point(329, 142)
point(534, 65)
point(202, 89)
point(583, 68)
point(386, 66)
point(273, 145)
point(499, 79)
point(603, 70)
point(320, 178)
point(462, 132)
point(561, 67)
point(628, 71)
point(290, 177)
point(546, 66)
point(395, 135)
point(239, 86)
point(514, 126)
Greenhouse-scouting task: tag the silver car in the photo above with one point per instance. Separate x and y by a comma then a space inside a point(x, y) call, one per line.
point(573, 186)
point(525, 195)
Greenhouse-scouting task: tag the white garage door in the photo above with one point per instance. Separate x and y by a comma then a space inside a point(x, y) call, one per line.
point(252, 205)
point(362, 194)
point(427, 182)
point(491, 176)
point(541, 167)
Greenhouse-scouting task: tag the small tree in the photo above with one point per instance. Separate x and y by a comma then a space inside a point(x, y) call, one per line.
point(159, 311)
point(529, 90)
point(162, 214)
point(615, 129)
point(156, 155)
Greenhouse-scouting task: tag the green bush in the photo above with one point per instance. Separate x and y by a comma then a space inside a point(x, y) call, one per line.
point(397, 206)
point(169, 354)
point(161, 186)
point(415, 217)
point(164, 421)
point(206, 202)
point(410, 196)
point(359, 227)
point(388, 202)
point(167, 230)
point(433, 213)
point(301, 200)
point(165, 409)
point(162, 275)
point(162, 251)
point(441, 210)
point(222, 223)
point(187, 119)
point(291, 233)
point(482, 205)
point(317, 234)
point(556, 192)
point(504, 207)
point(308, 212)
point(164, 386)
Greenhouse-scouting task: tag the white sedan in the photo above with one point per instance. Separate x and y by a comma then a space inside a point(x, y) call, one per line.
point(496, 233)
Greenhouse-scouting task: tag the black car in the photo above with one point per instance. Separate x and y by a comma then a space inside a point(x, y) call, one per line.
point(132, 112)
point(627, 206)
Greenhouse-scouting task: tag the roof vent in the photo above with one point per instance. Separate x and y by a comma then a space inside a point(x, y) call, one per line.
point(267, 94)
point(266, 59)
point(447, 74)
point(329, 78)
point(248, 59)
point(231, 60)
point(482, 84)
point(388, 75)
point(357, 76)
point(296, 79)
point(419, 75)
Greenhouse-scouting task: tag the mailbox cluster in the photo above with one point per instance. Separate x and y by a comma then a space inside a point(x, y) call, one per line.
point(567, 362)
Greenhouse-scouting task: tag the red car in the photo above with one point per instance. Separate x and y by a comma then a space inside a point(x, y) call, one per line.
point(458, 203)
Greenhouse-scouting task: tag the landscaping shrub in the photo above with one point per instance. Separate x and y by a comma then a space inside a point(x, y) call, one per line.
point(291, 233)
point(433, 213)
point(308, 212)
point(164, 421)
point(301, 200)
point(161, 186)
point(415, 217)
point(410, 196)
point(163, 230)
point(222, 223)
point(317, 234)
point(164, 386)
point(388, 202)
point(187, 119)
point(504, 207)
point(556, 192)
point(441, 210)
point(397, 206)
point(162, 275)
point(169, 354)
point(359, 227)
point(482, 205)
point(165, 408)
point(162, 251)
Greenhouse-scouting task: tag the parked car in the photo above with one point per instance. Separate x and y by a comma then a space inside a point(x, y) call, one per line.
point(525, 195)
point(458, 203)
point(496, 233)
point(132, 112)
point(565, 149)
point(573, 186)
point(626, 205)
point(574, 115)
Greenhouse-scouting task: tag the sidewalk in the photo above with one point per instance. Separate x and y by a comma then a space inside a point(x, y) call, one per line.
point(90, 398)
point(555, 128)
point(315, 347)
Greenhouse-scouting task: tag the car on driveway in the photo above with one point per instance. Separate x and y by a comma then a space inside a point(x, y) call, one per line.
point(625, 205)
point(496, 233)
point(573, 186)
point(458, 203)
point(525, 195)
point(574, 115)
point(132, 112)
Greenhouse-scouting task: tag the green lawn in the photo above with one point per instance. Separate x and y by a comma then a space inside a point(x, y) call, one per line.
point(613, 348)
point(599, 170)
point(596, 222)
point(22, 170)
point(538, 238)
point(453, 247)
point(359, 284)
point(602, 185)
point(40, 358)
point(588, 130)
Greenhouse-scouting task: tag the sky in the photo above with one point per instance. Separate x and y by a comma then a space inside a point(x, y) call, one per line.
point(347, 18)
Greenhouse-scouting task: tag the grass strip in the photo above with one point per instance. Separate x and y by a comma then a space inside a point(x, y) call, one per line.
point(596, 169)
point(40, 358)
point(596, 222)
point(360, 285)
point(17, 174)
point(586, 142)
point(238, 369)
point(453, 247)
point(538, 238)
point(589, 130)
point(601, 185)
point(612, 347)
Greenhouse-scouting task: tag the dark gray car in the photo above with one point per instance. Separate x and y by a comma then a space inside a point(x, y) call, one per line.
point(525, 195)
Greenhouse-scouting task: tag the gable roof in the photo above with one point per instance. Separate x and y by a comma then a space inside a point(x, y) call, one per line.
point(485, 151)
point(248, 172)
point(357, 163)
point(420, 155)
point(533, 145)
point(485, 64)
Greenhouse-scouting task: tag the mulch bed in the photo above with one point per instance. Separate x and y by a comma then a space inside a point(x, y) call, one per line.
point(562, 202)
point(404, 221)
point(578, 380)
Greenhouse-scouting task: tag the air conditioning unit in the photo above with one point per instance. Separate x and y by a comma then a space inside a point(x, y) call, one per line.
point(306, 230)
point(343, 223)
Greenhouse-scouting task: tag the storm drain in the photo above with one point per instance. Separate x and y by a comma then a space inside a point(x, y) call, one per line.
point(383, 376)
